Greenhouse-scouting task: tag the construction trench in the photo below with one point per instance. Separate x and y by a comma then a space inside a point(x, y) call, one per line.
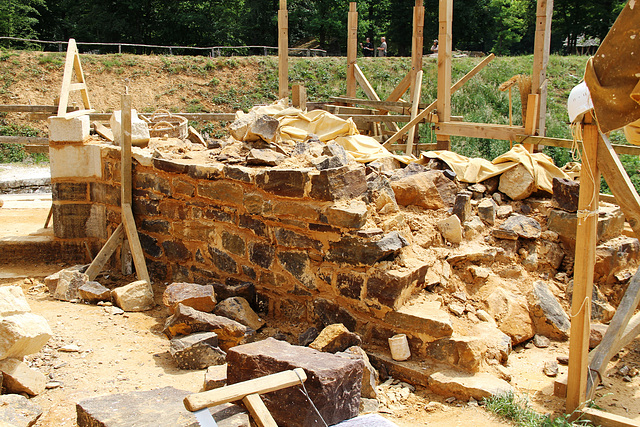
point(395, 270)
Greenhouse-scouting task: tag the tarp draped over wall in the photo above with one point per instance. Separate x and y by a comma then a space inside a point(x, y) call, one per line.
point(613, 74)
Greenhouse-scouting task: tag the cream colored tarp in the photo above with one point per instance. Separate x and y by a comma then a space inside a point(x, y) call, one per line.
point(475, 170)
point(296, 125)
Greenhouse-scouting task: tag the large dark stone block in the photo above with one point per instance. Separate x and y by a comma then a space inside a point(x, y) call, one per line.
point(566, 193)
point(328, 313)
point(153, 182)
point(150, 245)
point(283, 182)
point(292, 239)
point(176, 251)
point(222, 260)
point(334, 382)
point(340, 183)
point(233, 243)
point(170, 166)
point(156, 226)
point(69, 191)
point(350, 285)
point(253, 224)
point(352, 250)
point(105, 193)
point(262, 254)
point(69, 220)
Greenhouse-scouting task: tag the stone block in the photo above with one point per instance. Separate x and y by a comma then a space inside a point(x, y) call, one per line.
point(291, 239)
point(152, 182)
point(186, 321)
point(335, 338)
point(176, 250)
point(517, 183)
point(18, 411)
point(69, 130)
point(233, 243)
point(69, 220)
point(158, 408)
point(254, 127)
point(333, 381)
point(356, 251)
point(69, 191)
point(350, 285)
point(392, 288)
point(197, 351)
point(462, 205)
point(75, 161)
point(23, 334)
point(159, 226)
point(328, 312)
point(68, 284)
point(12, 301)
point(227, 192)
point(139, 129)
point(511, 312)
point(223, 261)
point(423, 319)
point(264, 157)
point(351, 215)
point(104, 193)
point(340, 183)
point(19, 378)
point(610, 224)
point(238, 309)
point(548, 315)
point(370, 376)
point(429, 190)
point(136, 296)
point(94, 292)
point(487, 210)
point(566, 193)
point(465, 386)
point(518, 226)
point(239, 173)
point(283, 182)
point(451, 229)
point(297, 263)
point(215, 377)
point(199, 297)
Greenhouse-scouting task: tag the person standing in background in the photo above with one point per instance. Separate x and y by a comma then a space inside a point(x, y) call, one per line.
point(382, 50)
point(367, 47)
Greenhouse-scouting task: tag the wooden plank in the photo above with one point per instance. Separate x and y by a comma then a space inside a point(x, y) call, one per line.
point(77, 86)
point(443, 103)
point(531, 121)
point(17, 108)
point(417, 41)
point(583, 270)
point(259, 411)
point(103, 131)
point(431, 106)
point(352, 48)
point(231, 393)
point(77, 113)
point(105, 253)
point(605, 419)
point(299, 97)
point(364, 84)
point(632, 150)
point(134, 243)
point(66, 77)
point(479, 130)
point(541, 49)
point(619, 183)
point(283, 50)
point(396, 106)
point(104, 117)
point(31, 140)
point(125, 150)
point(33, 149)
point(84, 93)
point(418, 147)
point(367, 118)
point(609, 346)
point(414, 112)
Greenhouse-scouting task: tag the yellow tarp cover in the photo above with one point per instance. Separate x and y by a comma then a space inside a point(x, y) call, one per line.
point(296, 125)
point(475, 170)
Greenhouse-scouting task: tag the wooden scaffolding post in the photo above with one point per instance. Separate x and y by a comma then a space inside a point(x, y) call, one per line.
point(443, 104)
point(541, 59)
point(417, 42)
point(415, 99)
point(583, 268)
point(283, 50)
point(352, 49)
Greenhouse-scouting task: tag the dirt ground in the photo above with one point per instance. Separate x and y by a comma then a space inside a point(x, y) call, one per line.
point(126, 352)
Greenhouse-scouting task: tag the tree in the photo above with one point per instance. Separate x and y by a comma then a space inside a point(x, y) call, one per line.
point(19, 17)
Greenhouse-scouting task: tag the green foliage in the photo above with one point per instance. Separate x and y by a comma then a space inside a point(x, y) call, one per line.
point(18, 18)
point(11, 153)
point(517, 410)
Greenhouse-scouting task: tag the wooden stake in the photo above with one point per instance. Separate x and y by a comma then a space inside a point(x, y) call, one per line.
point(443, 104)
point(299, 97)
point(417, 43)
point(352, 49)
point(541, 59)
point(531, 121)
point(583, 269)
point(283, 50)
point(414, 112)
point(72, 63)
point(259, 411)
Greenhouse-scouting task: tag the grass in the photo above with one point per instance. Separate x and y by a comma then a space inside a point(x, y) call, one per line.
point(518, 411)
point(13, 153)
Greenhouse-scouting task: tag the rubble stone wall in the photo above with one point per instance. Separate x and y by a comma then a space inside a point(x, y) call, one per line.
point(295, 233)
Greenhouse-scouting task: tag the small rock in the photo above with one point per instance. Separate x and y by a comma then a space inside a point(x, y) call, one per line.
point(462, 205)
point(200, 297)
point(19, 378)
point(215, 377)
point(116, 311)
point(308, 336)
point(69, 348)
point(596, 334)
point(456, 308)
point(68, 284)
point(541, 341)
point(264, 157)
point(484, 316)
point(487, 210)
point(53, 384)
point(335, 338)
point(238, 309)
point(18, 411)
point(451, 229)
point(550, 368)
point(197, 351)
point(626, 379)
point(517, 183)
point(503, 211)
point(369, 406)
point(94, 292)
point(624, 370)
point(450, 399)
point(136, 296)
point(563, 360)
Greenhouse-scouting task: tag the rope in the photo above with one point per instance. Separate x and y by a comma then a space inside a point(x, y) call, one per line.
point(304, 391)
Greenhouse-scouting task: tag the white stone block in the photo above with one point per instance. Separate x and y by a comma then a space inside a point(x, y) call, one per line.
point(139, 129)
point(136, 296)
point(75, 161)
point(12, 301)
point(22, 334)
point(69, 130)
point(19, 378)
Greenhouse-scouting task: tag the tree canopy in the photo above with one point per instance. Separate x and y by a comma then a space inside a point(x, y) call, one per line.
point(499, 26)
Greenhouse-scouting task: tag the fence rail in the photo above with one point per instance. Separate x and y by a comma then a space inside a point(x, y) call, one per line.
point(212, 51)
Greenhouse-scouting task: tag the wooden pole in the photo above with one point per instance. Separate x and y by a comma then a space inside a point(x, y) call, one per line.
point(417, 42)
point(125, 164)
point(283, 50)
point(443, 104)
point(531, 121)
point(541, 58)
point(414, 112)
point(352, 49)
point(299, 97)
point(583, 268)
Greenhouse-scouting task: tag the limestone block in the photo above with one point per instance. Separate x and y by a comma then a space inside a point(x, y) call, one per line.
point(238, 309)
point(264, 157)
point(159, 408)
point(69, 130)
point(464, 386)
point(334, 381)
point(187, 320)
point(18, 411)
point(22, 334)
point(358, 251)
point(75, 161)
point(199, 297)
point(139, 129)
point(518, 226)
point(197, 351)
point(94, 292)
point(428, 318)
point(68, 284)
point(253, 127)
point(517, 183)
point(136, 296)
point(429, 190)
point(451, 229)
point(19, 378)
point(353, 214)
point(215, 377)
point(610, 224)
point(335, 338)
point(12, 301)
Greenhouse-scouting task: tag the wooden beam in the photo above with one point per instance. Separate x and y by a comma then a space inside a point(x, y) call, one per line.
point(231, 393)
point(352, 48)
point(443, 103)
point(134, 243)
point(583, 269)
point(619, 183)
point(259, 411)
point(31, 140)
point(632, 150)
point(609, 345)
point(189, 116)
point(541, 51)
point(414, 112)
point(424, 113)
point(72, 63)
point(531, 121)
point(283, 50)
point(299, 97)
point(105, 253)
point(479, 130)
point(605, 419)
point(125, 147)
point(103, 131)
point(364, 84)
point(33, 149)
point(51, 109)
point(417, 42)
